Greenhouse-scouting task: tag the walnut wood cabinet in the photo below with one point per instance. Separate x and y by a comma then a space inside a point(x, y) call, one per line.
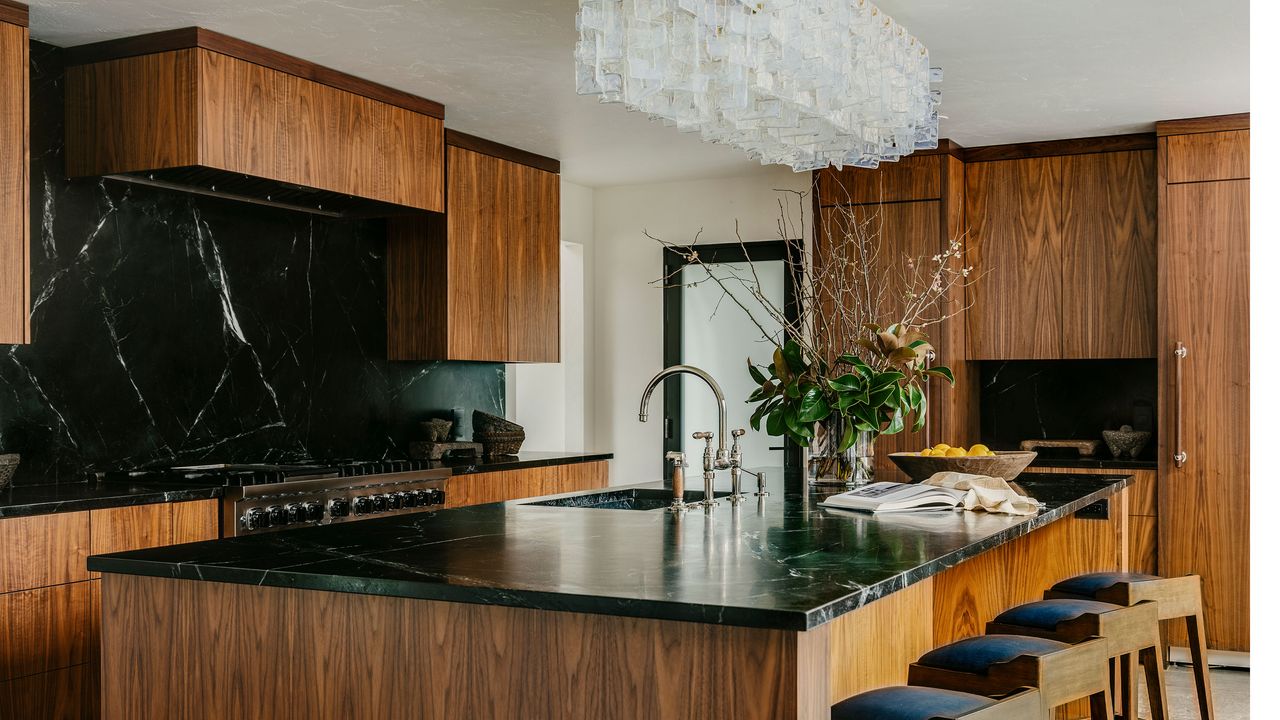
point(483, 282)
point(917, 205)
point(15, 163)
point(479, 488)
point(1204, 396)
point(1065, 251)
point(49, 601)
point(172, 106)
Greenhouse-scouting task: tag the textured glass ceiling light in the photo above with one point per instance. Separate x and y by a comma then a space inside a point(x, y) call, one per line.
point(805, 83)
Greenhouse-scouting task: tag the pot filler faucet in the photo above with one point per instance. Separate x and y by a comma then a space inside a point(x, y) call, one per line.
point(723, 459)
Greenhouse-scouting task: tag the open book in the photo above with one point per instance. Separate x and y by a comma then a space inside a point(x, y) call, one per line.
point(885, 497)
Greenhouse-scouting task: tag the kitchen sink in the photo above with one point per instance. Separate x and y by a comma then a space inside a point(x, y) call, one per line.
point(624, 499)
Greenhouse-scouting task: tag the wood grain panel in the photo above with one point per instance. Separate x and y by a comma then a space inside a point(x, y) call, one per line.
point(418, 285)
point(1015, 240)
point(1109, 255)
point(532, 241)
point(43, 550)
point(1207, 156)
point(1211, 123)
point(65, 694)
point(453, 138)
point(196, 37)
point(914, 177)
point(15, 210)
point(195, 520)
point(575, 477)
point(44, 629)
point(137, 113)
point(969, 595)
point(263, 122)
point(1142, 545)
point(1204, 301)
point(871, 647)
point(478, 256)
point(166, 653)
point(130, 528)
point(1072, 146)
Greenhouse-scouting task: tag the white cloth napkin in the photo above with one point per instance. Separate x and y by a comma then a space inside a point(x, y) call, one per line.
point(991, 494)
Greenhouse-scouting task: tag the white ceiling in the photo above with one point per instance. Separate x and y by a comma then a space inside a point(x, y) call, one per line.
point(1016, 70)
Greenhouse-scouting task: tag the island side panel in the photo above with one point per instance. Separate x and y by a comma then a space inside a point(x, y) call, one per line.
point(872, 646)
point(181, 648)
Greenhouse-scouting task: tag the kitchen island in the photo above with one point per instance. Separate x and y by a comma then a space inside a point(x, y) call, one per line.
point(773, 609)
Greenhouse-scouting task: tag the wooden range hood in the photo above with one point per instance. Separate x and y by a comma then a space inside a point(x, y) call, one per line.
point(203, 112)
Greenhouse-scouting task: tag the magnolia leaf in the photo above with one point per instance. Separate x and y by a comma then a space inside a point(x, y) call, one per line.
point(872, 327)
point(871, 346)
point(903, 355)
point(888, 377)
point(776, 425)
point(756, 374)
point(779, 367)
point(813, 407)
point(845, 383)
point(921, 411)
point(888, 342)
point(866, 415)
point(881, 396)
point(794, 356)
point(896, 423)
point(942, 372)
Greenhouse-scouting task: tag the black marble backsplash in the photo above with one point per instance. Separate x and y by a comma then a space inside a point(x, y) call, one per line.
point(169, 328)
point(1066, 399)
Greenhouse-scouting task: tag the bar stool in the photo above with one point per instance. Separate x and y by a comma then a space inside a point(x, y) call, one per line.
point(1126, 631)
point(920, 703)
point(1000, 665)
point(1175, 598)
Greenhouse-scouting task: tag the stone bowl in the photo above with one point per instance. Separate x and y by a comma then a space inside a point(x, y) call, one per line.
point(1004, 464)
point(1126, 442)
point(8, 466)
point(436, 429)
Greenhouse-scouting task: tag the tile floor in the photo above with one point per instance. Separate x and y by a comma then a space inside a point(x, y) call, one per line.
point(1230, 694)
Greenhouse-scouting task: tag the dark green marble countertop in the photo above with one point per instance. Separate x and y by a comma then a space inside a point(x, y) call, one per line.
point(779, 563)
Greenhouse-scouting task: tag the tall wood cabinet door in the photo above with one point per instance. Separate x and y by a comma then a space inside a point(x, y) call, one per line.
point(477, 274)
point(1014, 211)
point(1204, 304)
point(1109, 255)
point(15, 214)
point(531, 238)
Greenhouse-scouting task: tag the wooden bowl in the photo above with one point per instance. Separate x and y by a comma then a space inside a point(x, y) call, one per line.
point(1004, 464)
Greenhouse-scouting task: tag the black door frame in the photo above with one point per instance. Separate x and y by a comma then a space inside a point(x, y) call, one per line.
point(673, 320)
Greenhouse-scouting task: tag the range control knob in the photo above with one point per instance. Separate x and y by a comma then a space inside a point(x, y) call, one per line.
point(293, 514)
point(379, 503)
point(254, 519)
point(439, 496)
point(423, 497)
point(395, 500)
point(339, 507)
point(312, 511)
point(408, 499)
point(362, 505)
point(275, 516)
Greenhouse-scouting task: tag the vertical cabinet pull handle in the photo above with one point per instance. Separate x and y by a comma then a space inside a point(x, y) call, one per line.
point(1179, 455)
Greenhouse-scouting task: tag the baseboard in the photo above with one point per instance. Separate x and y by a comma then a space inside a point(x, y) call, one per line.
point(1219, 658)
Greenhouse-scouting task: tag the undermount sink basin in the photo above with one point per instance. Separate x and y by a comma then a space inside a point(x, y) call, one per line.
point(624, 499)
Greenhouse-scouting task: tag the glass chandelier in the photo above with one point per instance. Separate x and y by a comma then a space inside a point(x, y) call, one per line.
point(804, 83)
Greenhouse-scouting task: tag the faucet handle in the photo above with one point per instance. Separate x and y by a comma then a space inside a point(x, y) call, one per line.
point(676, 457)
point(739, 432)
point(704, 435)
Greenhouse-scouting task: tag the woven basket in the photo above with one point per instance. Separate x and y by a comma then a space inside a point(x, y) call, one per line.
point(484, 423)
point(8, 465)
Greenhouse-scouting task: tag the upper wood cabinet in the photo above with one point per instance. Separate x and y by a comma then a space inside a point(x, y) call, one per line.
point(170, 107)
point(482, 283)
point(15, 164)
point(1064, 247)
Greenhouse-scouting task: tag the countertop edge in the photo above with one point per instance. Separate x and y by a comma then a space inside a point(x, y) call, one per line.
point(787, 620)
point(124, 498)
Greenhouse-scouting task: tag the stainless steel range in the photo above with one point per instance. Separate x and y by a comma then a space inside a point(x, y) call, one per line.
point(268, 498)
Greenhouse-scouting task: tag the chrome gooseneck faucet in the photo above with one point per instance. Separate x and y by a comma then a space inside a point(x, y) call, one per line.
point(722, 459)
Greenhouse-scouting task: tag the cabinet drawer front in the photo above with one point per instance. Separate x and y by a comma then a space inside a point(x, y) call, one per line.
point(66, 694)
point(44, 629)
point(43, 550)
point(1207, 156)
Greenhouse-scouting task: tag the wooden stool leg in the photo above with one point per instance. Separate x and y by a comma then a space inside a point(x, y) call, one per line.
point(1200, 664)
point(1100, 707)
point(1153, 664)
point(1129, 687)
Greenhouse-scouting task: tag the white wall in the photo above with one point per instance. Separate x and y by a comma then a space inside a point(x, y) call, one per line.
point(549, 400)
point(626, 347)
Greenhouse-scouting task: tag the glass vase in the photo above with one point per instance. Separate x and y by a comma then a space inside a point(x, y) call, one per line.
point(827, 465)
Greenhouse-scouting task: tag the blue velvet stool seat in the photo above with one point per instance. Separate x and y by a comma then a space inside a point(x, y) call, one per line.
point(1175, 598)
point(920, 703)
point(1000, 664)
point(1128, 633)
